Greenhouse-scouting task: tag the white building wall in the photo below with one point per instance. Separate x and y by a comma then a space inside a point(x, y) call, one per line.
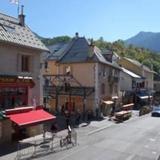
point(125, 82)
point(10, 64)
point(149, 80)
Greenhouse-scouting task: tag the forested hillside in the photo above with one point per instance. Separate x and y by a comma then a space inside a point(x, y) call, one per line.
point(145, 56)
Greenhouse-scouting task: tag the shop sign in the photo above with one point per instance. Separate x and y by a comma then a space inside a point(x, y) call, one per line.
point(7, 80)
point(13, 80)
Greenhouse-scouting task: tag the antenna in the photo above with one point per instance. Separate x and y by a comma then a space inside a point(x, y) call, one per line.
point(18, 7)
point(17, 2)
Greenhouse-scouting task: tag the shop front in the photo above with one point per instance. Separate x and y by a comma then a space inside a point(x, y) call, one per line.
point(14, 91)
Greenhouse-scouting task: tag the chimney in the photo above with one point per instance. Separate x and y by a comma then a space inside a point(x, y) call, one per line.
point(92, 42)
point(76, 34)
point(91, 48)
point(21, 17)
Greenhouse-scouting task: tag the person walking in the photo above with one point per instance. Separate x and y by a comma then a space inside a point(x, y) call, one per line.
point(78, 117)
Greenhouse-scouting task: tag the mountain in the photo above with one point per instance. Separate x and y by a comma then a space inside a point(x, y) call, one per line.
point(148, 40)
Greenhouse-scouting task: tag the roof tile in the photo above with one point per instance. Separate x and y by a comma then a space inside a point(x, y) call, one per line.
point(18, 34)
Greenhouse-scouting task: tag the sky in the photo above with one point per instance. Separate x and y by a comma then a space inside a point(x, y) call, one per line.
point(110, 19)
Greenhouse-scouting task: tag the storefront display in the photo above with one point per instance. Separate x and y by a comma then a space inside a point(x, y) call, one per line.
point(14, 91)
point(13, 96)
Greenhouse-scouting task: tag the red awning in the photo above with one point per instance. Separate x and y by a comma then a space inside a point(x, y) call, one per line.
point(31, 117)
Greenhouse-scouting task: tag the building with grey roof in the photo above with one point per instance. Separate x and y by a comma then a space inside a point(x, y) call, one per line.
point(139, 69)
point(20, 55)
point(20, 76)
point(92, 79)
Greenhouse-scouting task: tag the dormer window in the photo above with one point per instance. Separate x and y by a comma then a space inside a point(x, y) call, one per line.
point(9, 28)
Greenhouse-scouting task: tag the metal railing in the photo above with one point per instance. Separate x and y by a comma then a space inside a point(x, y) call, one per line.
point(44, 145)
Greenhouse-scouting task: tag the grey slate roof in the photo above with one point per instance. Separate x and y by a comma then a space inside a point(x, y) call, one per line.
point(139, 64)
point(12, 32)
point(78, 50)
point(56, 51)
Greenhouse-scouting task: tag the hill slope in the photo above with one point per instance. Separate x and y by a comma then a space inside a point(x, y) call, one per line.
point(148, 40)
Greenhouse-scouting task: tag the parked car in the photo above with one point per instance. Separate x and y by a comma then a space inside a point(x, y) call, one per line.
point(156, 111)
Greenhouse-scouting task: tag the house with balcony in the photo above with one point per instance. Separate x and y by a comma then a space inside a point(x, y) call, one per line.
point(144, 88)
point(129, 81)
point(78, 77)
point(139, 69)
point(20, 79)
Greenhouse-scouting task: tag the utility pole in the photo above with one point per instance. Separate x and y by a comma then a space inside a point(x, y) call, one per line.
point(84, 103)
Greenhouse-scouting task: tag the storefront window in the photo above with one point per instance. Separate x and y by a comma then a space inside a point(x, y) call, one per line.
point(11, 97)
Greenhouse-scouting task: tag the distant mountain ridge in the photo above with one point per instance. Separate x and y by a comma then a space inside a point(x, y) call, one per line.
point(148, 40)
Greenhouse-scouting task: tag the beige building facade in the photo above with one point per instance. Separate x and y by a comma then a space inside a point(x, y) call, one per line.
point(91, 72)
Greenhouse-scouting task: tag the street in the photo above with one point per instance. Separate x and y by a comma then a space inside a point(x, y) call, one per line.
point(136, 139)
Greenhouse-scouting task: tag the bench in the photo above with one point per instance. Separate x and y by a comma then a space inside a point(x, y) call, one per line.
point(123, 115)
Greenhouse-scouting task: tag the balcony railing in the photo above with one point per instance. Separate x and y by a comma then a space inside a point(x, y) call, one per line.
point(60, 90)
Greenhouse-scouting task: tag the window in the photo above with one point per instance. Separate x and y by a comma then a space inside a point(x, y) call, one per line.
point(115, 89)
point(46, 82)
point(111, 72)
point(25, 63)
point(46, 65)
point(110, 89)
point(103, 71)
point(102, 88)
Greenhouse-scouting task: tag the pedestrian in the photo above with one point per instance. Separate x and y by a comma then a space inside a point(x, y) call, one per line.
point(97, 113)
point(113, 108)
point(78, 117)
point(54, 128)
point(69, 136)
point(67, 119)
point(62, 110)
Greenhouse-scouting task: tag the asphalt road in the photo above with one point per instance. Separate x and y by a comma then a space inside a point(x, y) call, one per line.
point(136, 139)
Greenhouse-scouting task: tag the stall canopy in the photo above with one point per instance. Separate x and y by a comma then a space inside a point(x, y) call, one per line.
point(115, 97)
point(29, 117)
point(108, 102)
point(144, 96)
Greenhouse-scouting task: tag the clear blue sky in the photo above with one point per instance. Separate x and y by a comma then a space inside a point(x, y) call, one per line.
point(111, 19)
